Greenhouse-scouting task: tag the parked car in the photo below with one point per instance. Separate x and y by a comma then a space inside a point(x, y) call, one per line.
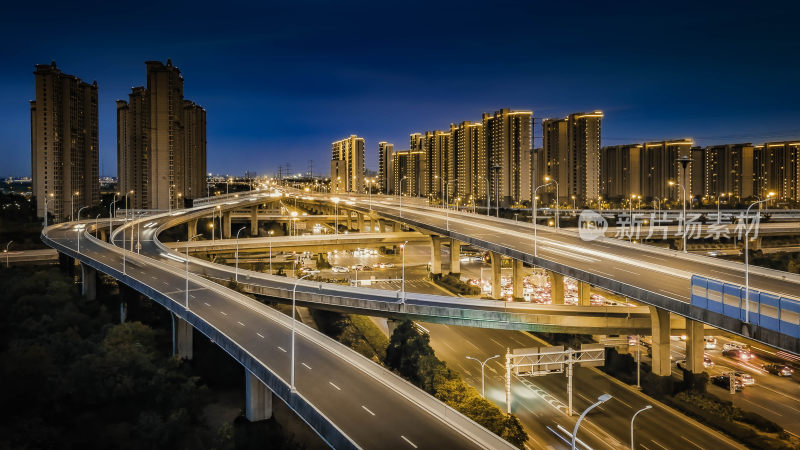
point(340, 269)
point(738, 353)
point(745, 378)
point(778, 369)
point(724, 381)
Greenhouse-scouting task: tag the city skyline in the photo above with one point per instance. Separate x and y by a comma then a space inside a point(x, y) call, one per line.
point(698, 95)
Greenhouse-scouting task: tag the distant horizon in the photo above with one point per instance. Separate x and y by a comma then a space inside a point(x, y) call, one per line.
point(282, 93)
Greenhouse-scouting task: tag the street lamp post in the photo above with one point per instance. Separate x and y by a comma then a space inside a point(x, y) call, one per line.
point(72, 206)
point(45, 211)
point(403, 273)
point(600, 400)
point(634, 418)
point(447, 204)
point(126, 205)
point(401, 196)
point(488, 196)
point(747, 253)
point(535, 225)
point(187, 267)
point(237, 254)
point(271, 232)
point(294, 294)
point(718, 208)
point(336, 214)
point(79, 229)
point(7, 247)
point(683, 220)
point(549, 180)
point(96, 225)
point(483, 377)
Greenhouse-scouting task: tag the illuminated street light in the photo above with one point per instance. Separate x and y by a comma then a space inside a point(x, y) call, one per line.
point(747, 254)
point(600, 400)
point(483, 376)
point(634, 418)
point(237, 254)
point(549, 180)
point(683, 221)
point(294, 320)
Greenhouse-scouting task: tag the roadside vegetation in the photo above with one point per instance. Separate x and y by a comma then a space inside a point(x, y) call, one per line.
point(73, 376)
point(409, 354)
point(452, 282)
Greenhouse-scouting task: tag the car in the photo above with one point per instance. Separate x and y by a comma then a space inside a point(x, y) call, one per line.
point(778, 369)
point(734, 345)
point(724, 381)
point(387, 265)
point(707, 362)
point(745, 378)
point(309, 271)
point(340, 269)
point(358, 267)
point(738, 353)
point(710, 342)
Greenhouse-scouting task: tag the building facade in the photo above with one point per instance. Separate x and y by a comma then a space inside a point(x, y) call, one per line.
point(385, 167)
point(161, 142)
point(64, 142)
point(659, 165)
point(507, 140)
point(620, 170)
point(777, 170)
point(466, 145)
point(347, 165)
point(571, 152)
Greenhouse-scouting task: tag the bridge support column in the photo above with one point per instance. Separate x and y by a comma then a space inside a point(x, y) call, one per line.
point(350, 222)
point(88, 282)
point(103, 234)
point(584, 293)
point(398, 227)
point(694, 345)
point(436, 255)
point(392, 325)
point(516, 277)
point(496, 265)
point(226, 224)
point(191, 229)
point(381, 225)
point(659, 319)
point(455, 256)
point(556, 288)
point(254, 221)
point(182, 338)
point(258, 399)
point(755, 244)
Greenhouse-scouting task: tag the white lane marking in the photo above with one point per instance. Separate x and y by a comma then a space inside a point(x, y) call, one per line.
point(335, 386)
point(154, 278)
point(190, 295)
point(687, 440)
point(223, 313)
point(409, 442)
point(165, 283)
point(206, 303)
point(306, 366)
point(628, 271)
point(260, 335)
point(367, 410)
point(281, 349)
point(240, 323)
point(496, 342)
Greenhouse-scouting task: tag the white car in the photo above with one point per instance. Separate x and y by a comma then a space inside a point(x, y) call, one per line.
point(340, 269)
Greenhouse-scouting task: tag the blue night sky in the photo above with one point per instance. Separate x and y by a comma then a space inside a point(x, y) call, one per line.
point(281, 81)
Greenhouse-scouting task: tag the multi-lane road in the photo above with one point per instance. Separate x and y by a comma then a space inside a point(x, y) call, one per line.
point(372, 411)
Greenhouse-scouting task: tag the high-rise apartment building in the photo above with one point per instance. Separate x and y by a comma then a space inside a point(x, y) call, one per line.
point(64, 142)
point(620, 170)
point(466, 144)
point(347, 165)
point(407, 172)
point(777, 169)
point(161, 142)
point(507, 140)
point(572, 152)
point(659, 165)
point(385, 167)
point(434, 162)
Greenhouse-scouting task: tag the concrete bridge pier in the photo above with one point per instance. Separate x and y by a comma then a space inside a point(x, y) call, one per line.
point(694, 345)
point(88, 282)
point(392, 325)
point(191, 229)
point(226, 224)
point(182, 338)
point(516, 277)
point(496, 265)
point(103, 234)
point(584, 294)
point(349, 215)
point(556, 288)
point(381, 225)
point(360, 222)
point(258, 399)
point(455, 256)
point(436, 255)
point(254, 221)
point(755, 244)
point(659, 319)
point(398, 227)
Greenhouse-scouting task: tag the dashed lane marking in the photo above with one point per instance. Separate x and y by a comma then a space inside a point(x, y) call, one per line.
point(367, 410)
point(335, 386)
point(409, 441)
